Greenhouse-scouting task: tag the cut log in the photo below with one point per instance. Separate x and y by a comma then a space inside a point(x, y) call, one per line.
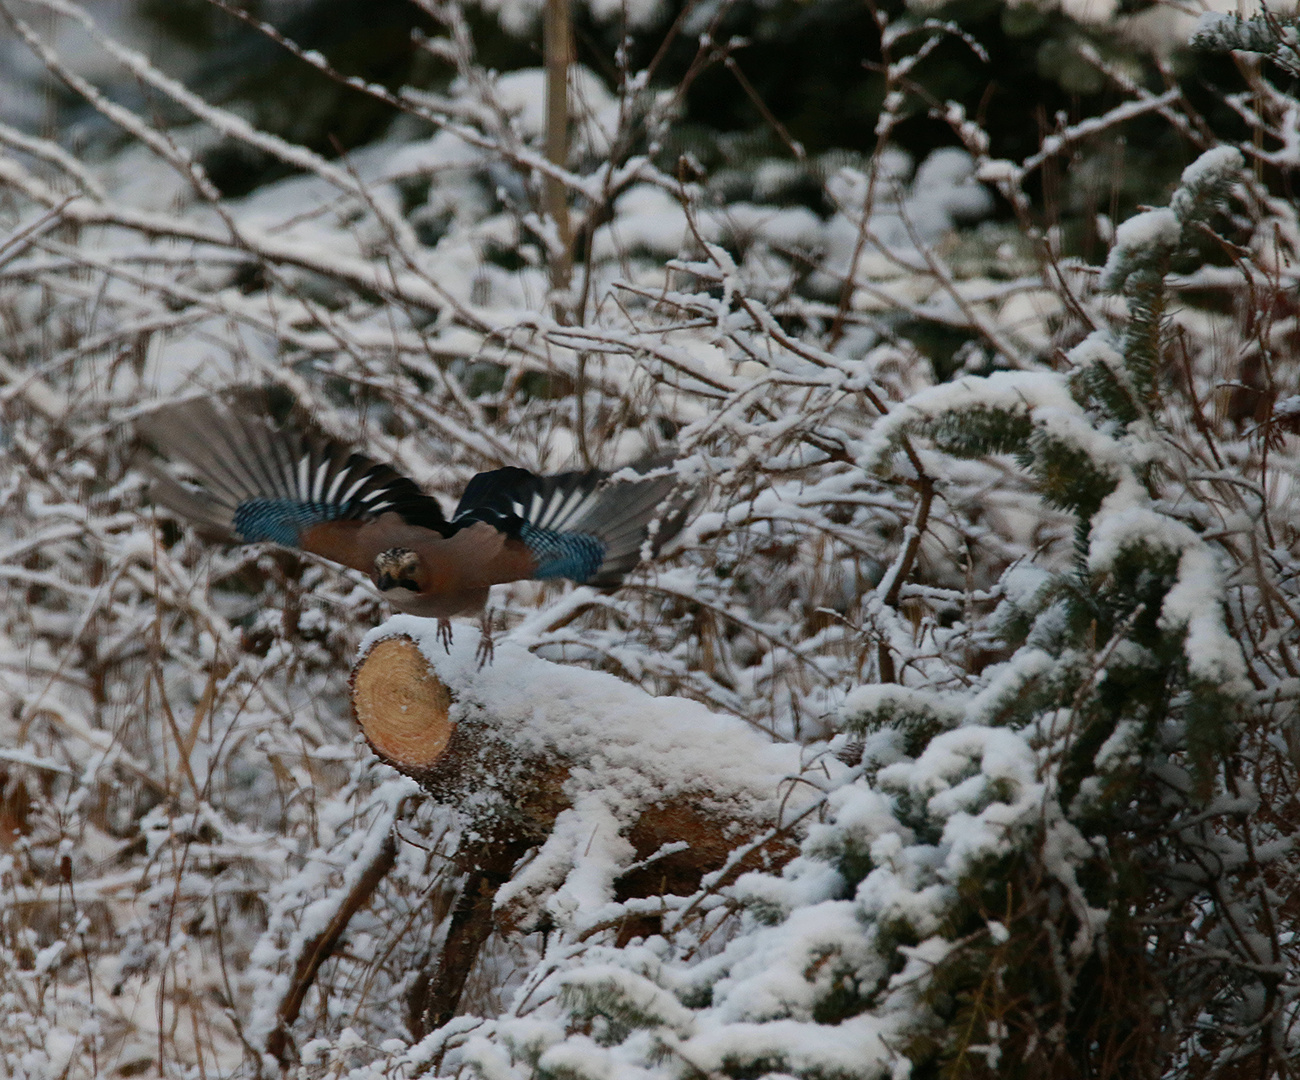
point(401, 705)
point(462, 757)
point(619, 795)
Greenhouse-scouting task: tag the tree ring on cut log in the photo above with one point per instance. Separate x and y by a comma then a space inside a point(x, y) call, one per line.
point(401, 705)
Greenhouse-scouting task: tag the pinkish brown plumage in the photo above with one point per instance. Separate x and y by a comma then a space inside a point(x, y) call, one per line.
point(261, 483)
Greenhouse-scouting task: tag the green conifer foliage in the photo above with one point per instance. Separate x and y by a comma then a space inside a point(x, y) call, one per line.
point(1264, 33)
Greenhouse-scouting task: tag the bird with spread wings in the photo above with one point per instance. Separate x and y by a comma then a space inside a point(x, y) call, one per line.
point(258, 482)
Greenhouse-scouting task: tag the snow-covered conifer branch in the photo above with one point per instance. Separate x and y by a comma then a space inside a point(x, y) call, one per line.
point(1265, 33)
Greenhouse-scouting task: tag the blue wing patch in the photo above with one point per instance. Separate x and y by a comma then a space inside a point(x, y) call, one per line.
point(576, 556)
point(281, 520)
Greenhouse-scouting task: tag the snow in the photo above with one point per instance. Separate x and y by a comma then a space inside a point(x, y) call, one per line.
point(1216, 165)
point(1231, 28)
point(1194, 602)
point(520, 17)
point(522, 95)
point(1023, 584)
point(645, 996)
point(1044, 396)
point(1151, 231)
point(1125, 523)
point(648, 747)
point(773, 980)
point(886, 704)
point(858, 1047)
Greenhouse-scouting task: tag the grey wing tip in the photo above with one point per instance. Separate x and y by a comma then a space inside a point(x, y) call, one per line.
point(192, 430)
point(628, 516)
point(171, 495)
point(182, 427)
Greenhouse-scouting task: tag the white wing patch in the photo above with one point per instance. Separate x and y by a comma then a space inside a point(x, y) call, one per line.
point(356, 486)
point(563, 508)
point(304, 477)
point(318, 488)
point(335, 484)
point(373, 507)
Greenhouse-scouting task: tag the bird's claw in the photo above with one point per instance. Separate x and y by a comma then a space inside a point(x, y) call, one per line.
point(486, 643)
point(444, 634)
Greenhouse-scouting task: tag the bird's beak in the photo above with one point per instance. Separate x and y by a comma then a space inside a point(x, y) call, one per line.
point(384, 582)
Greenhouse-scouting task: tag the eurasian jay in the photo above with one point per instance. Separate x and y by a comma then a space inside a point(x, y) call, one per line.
point(262, 483)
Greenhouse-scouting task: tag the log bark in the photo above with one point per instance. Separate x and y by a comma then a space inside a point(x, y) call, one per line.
point(436, 992)
point(404, 710)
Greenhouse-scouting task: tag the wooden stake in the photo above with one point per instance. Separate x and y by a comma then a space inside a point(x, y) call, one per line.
point(557, 49)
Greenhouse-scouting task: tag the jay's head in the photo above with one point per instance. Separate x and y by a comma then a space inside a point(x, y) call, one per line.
point(397, 568)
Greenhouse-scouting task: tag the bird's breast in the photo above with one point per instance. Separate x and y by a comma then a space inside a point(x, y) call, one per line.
point(441, 605)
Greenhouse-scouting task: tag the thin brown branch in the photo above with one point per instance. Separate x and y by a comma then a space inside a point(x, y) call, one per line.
point(316, 950)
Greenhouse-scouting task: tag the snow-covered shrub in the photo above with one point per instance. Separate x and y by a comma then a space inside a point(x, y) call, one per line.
point(1008, 533)
point(1060, 868)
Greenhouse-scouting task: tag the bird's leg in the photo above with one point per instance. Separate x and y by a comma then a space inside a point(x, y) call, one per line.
point(486, 646)
point(444, 634)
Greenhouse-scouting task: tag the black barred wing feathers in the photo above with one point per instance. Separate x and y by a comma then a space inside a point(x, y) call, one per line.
point(263, 483)
point(257, 482)
point(577, 525)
